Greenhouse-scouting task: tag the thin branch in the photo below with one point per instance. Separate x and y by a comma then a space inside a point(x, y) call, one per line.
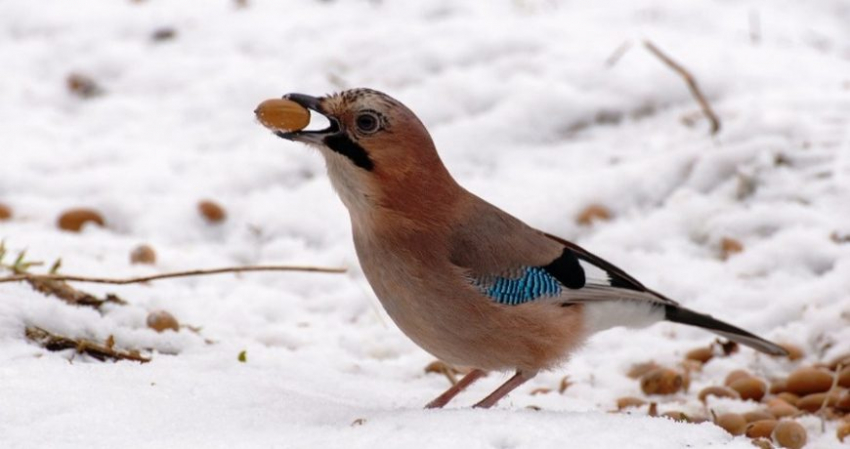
point(177, 274)
point(692, 85)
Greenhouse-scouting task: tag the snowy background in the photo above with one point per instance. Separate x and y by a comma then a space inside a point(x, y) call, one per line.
point(529, 111)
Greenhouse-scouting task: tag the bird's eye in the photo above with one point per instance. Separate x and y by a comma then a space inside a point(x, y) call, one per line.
point(367, 122)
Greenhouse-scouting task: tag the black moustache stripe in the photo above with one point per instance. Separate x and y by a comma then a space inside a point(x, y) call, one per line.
point(343, 145)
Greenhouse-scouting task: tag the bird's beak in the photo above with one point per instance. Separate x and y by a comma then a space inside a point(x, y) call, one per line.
point(313, 104)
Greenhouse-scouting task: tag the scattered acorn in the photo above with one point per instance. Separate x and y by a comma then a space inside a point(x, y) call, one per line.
point(143, 254)
point(593, 213)
point(736, 375)
point(702, 355)
point(628, 402)
point(280, 114)
point(789, 434)
point(813, 402)
point(778, 386)
point(661, 381)
point(160, 320)
point(733, 423)
point(721, 392)
point(730, 247)
point(782, 409)
point(211, 211)
point(749, 388)
point(5, 212)
point(757, 415)
point(789, 397)
point(760, 429)
point(843, 431)
point(809, 380)
point(74, 219)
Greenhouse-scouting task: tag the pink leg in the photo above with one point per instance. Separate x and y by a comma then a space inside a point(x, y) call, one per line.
point(449, 394)
point(518, 379)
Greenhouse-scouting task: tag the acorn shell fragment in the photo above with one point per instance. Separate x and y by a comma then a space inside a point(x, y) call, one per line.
point(282, 115)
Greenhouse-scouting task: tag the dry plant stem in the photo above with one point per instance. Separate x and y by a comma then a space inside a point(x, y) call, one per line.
point(96, 280)
point(692, 85)
point(69, 294)
point(53, 342)
point(822, 410)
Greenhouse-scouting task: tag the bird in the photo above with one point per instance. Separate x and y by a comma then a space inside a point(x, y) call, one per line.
point(466, 281)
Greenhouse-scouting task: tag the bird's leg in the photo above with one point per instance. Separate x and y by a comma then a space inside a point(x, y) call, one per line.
point(519, 378)
point(449, 394)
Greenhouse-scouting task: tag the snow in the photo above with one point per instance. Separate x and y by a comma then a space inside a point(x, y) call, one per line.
point(527, 114)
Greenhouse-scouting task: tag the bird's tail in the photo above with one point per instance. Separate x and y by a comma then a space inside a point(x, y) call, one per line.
point(679, 314)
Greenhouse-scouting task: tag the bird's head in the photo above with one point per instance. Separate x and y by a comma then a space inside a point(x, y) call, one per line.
point(377, 151)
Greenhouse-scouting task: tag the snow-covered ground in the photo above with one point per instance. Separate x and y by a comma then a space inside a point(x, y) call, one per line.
point(528, 112)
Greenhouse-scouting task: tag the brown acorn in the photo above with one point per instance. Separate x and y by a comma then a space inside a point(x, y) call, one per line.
point(730, 247)
point(735, 375)
point(782, 409)
point(788, 397)
point(749, 388)
point(702, 355)
point(143, 254)
point(211, 211)
point(789, 434)
point(74, 219)
point(809, 380)
point(5, 212)
point(282, 115)
point(721, 392)
point(661, 381)
point(592, 214)
point(778, 386)
point(760, 429)
point(757, 415)
point(843, 431)
point(628, 402)
point(733, 423)
point(160, 321)
point(813, 402)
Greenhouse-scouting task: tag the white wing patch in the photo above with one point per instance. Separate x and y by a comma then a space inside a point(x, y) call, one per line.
point(601, 315)
point(594, 274)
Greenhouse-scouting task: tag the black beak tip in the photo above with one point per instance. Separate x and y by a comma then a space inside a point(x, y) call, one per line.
point(307, 101)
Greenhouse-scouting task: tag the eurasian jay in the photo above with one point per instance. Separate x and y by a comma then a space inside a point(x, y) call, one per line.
point(466, 281)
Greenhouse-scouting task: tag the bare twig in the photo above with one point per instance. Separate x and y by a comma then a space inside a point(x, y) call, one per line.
point(692, 85)
point(98, 280)
point(53, 342)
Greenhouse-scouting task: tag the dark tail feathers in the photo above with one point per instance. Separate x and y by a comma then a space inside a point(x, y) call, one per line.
point(678, 314)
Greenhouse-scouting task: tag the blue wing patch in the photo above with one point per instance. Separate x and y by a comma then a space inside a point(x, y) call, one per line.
point(531, 284)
